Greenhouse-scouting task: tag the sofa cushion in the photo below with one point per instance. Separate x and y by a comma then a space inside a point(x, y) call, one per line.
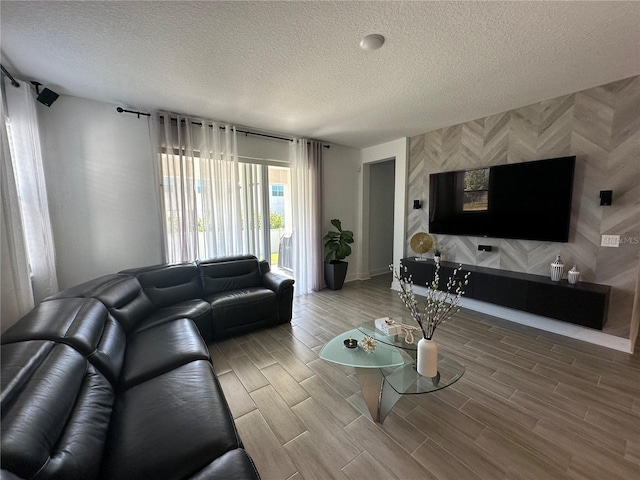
point(77, 321)
point(169, 284)
point(126, 301)
point(196, 309)
point(234, 465)
point(55, 412)
point(82, 323)
point(230, 273)
point(87, 289)
point(234, 311)
point(19, 361)
point(170, 427)
point(155, 351)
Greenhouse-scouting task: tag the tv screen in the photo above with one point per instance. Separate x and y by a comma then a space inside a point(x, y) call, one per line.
point(529, 200)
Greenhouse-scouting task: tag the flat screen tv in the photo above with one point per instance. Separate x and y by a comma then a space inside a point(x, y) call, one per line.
point(529, 200)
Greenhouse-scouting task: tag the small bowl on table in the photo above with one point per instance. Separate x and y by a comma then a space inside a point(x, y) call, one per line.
point(350, 343)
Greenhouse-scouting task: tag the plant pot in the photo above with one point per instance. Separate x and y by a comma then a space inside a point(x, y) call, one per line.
point(334, 274)
point(427, 359)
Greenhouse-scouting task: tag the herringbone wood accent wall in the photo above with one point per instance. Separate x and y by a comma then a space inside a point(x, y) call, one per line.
point(601, 126)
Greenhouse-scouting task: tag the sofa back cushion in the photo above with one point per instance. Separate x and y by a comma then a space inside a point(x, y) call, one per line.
point(126, 301)
point(55, 411)
point(230, 273)
point(88, 289)
point(121, 293)
point(169, 284)
point(82, 323)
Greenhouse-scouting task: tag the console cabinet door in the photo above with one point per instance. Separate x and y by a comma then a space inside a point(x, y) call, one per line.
point(505, 291)
point(447, 272)
point(421, 272)
point(568, 303)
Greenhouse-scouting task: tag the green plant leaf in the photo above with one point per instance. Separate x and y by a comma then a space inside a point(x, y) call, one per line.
point(337, 243)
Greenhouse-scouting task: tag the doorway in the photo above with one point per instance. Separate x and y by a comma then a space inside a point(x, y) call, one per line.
point(381, 207)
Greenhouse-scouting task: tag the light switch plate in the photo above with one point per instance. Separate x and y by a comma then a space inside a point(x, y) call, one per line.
point(610, 241)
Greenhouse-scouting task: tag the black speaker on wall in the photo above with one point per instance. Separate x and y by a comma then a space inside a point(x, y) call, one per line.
point(606, 197)
point(46, 96)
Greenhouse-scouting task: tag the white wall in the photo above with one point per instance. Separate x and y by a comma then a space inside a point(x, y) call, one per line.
point(340, 197)
point(381, 202)
point(102, 193)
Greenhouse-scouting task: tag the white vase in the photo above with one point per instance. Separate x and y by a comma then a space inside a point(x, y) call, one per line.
point(573, 276)
point(557, 269)
point(427, 359)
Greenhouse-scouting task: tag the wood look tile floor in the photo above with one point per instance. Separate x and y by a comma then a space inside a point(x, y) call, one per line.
point(531, 404)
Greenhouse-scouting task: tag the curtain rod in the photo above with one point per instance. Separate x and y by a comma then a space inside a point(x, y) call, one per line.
point(122, 110)
point(13, 80)
point(246, 132)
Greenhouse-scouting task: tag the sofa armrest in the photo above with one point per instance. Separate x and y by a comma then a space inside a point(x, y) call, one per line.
point(235, 463)
point(283, 288)
point(277, 283)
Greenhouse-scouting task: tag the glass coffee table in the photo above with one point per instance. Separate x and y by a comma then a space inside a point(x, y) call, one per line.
point(398, 341)
point(384, 375)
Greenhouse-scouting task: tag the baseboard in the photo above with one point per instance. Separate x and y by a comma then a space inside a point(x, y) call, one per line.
point(379, 271)
point(352, 277)
point(543, 323)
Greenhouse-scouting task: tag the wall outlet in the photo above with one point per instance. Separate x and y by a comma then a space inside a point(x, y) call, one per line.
point(610, 241)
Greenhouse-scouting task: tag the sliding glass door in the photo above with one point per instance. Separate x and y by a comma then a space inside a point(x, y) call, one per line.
point(265, 204)
point(265, 211)
point(280, 219)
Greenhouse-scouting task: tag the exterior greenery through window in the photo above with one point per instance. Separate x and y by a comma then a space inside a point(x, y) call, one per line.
point(476, 190)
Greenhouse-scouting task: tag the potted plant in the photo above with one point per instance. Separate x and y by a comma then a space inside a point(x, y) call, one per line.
point(337, 245)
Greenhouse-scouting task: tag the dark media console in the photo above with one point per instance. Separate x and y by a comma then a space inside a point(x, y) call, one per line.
point(582, 304)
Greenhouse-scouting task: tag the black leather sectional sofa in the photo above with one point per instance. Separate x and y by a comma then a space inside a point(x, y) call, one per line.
point(112, 379)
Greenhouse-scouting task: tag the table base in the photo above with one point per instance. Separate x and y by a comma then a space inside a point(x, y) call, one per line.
point(378, 396)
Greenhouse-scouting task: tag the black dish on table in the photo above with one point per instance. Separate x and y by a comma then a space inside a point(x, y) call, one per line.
point(351, 343)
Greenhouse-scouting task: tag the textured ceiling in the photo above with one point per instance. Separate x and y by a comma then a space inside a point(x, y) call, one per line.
point(296, 67)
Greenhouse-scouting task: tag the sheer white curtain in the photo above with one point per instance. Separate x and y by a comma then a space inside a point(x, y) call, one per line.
point(17, 294)
point(28, 233)
point(254, 207)
point(199, 168)
point(306, 184)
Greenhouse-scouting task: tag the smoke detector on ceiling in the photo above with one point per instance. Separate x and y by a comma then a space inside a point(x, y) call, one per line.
point(372, 41)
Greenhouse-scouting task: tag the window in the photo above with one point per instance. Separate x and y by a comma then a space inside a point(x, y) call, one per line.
point(280, 218)
point(217, 202)
point(263, 217)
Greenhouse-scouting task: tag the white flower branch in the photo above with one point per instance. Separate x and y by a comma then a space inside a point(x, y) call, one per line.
point(438, 306)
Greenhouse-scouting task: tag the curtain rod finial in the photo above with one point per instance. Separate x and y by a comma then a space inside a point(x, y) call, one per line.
point(135, 112)
point(13, 81)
